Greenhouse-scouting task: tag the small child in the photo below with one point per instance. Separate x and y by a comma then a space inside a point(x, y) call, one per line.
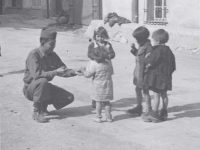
point(141, 34)
point(160, 66)
point(101, 71)
point(100, 40)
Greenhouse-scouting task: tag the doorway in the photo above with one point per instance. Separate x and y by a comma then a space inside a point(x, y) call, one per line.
point(1, 7)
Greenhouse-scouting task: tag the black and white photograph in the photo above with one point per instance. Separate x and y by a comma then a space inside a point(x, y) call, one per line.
point(99, 74)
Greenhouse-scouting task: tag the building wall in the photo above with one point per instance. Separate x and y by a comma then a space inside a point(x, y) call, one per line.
point(181, 13)
point(28, 9)
point(184, 13)
point(121, 7)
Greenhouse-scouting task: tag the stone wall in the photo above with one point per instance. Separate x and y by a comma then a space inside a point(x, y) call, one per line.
point(188, 39)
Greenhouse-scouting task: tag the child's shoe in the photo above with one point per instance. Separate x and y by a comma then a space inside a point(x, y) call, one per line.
point(151, 116)
point(97, 119)
point(109, 118)
point(163, 114)
point(146, 116)
point(135, 111)
point(154, 116)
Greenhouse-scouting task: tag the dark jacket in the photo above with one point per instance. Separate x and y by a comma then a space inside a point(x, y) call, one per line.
point(140, 54)
point(161, 66)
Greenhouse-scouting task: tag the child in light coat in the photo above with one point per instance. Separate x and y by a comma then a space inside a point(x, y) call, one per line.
point(101, 71)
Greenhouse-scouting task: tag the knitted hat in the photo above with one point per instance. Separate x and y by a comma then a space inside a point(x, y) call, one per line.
point(47, 33)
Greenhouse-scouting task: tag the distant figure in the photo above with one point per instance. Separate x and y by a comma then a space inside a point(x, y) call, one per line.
point(160, 66)
point(42, 65)
point(100, 38)
point(101, 71)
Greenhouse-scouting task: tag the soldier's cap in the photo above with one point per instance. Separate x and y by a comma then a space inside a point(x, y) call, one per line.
point(48, 33)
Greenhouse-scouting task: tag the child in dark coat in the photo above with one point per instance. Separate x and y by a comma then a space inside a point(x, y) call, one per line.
point(141, 34)
point(160, 66)
point(100, 40)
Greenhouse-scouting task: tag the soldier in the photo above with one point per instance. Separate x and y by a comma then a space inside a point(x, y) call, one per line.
point(42, 65)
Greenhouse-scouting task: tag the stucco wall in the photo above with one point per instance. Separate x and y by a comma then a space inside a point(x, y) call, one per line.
point(184, 13)
point(181, 13)
point(121, 7)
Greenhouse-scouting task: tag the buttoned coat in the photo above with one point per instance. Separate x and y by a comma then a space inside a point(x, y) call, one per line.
point(162, 65)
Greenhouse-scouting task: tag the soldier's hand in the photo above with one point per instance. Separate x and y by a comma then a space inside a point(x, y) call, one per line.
point(60, 71)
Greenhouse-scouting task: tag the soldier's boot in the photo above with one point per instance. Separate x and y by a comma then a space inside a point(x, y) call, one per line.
point(44, 111)
point(37, 116)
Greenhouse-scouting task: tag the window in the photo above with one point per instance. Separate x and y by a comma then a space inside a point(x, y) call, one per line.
point(36, 4)
point(155, 12)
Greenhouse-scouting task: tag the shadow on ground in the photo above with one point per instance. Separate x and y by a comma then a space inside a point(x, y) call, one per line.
point(189, 110)
point(12, 72)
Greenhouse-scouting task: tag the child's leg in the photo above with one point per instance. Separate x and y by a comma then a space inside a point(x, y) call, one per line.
point(164, 113)
point(98, 109)
point(138, 96)
point(107, 107)
point(138, 109)
point(147, 98)
point(108, 111)
point(98, 112)
point(151, 116)
point(156, 101)
point(165, 99)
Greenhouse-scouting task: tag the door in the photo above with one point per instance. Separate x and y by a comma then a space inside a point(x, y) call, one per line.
point(1, 7)
point(58, 6)
point(84, 11)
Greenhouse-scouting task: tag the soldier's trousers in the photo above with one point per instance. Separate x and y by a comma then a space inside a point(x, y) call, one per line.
point(41, 91)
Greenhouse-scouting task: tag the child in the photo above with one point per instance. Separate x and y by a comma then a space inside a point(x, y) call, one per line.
point(100, 40)
point(161, 65)
point(101, 71)
point(141, 34)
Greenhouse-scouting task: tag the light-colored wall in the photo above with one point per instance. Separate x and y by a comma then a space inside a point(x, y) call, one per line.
point(181, 13)
point(184, 13)
point(122, 7)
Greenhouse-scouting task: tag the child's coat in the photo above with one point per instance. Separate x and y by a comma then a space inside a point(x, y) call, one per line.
point(162, 65)
point(102, 84)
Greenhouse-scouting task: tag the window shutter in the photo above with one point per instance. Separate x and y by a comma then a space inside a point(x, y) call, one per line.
point(150, 10)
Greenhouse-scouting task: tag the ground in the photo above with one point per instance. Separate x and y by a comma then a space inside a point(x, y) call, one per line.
point(72, 128)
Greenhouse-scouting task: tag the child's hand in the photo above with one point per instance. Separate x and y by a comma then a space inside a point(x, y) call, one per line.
point(78, 72)
point(82, 69)
point(133, 46)
point(147, 55)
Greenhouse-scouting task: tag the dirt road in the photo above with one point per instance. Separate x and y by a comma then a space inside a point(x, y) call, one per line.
point(72, 128)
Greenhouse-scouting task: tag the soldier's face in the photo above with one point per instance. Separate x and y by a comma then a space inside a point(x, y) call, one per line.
point(49, 46)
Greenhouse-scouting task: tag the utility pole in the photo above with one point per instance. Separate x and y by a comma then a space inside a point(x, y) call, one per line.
point(135, 14)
